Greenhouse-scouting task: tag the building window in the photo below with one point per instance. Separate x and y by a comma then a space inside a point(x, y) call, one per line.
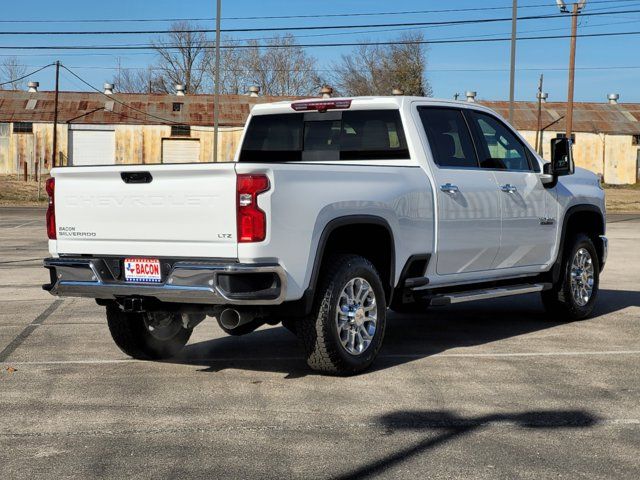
point(177, 107)
point(23, 127)
point(635, 140)
point(564, 135)
point(180, 131)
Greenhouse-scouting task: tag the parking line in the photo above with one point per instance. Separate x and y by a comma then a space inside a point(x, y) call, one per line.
point(28, 330)
point(197, 361)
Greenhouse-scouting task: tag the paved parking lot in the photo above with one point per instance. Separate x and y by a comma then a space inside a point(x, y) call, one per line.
point(484, 390)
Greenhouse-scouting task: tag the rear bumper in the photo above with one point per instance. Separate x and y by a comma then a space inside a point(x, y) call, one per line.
point(187, 282)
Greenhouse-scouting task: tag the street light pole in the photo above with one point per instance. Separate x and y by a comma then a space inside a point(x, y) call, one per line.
point(216, 87)
point(576, 7)
point(572, 68)
point(54, 152)
point(512, 80)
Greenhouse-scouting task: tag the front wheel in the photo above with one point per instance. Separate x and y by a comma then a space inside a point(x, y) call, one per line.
point(574, 296)
point(344, 333)
point(146, 335)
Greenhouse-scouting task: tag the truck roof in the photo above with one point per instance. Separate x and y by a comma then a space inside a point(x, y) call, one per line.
point(359, 103)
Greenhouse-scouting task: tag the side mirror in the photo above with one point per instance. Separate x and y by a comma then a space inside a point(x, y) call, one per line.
point(561, 157)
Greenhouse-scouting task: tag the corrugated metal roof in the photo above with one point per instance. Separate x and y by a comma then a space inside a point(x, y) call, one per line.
point(89, 108)
point(197, 110)
point(623, 118)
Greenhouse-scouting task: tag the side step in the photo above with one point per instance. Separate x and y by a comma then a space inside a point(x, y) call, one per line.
point(487, 293)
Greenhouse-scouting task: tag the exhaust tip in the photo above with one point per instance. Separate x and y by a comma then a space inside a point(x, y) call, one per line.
point(230, 318)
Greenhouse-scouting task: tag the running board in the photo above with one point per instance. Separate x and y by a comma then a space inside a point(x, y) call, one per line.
point(487, 293)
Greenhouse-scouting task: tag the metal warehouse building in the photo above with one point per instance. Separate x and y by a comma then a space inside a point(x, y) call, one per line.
point(98, 129)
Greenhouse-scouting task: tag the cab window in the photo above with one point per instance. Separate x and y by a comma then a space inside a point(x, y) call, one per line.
point(498, 147)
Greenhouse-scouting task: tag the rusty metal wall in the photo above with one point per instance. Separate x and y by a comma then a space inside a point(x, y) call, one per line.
point(613, 156)
point(142, 144)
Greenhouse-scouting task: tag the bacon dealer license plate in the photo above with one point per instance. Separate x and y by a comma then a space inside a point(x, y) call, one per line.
point(142, 270)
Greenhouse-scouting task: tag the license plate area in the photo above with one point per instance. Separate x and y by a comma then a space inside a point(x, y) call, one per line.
point(142, 270)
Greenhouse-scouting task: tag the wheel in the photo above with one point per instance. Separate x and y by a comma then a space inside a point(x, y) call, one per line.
point(344, 333)
point(147, 335)
point(574, 296)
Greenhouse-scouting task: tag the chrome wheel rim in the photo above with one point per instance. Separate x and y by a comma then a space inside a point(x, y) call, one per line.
point(582, 277)
point(356, 316)
point(161, 325)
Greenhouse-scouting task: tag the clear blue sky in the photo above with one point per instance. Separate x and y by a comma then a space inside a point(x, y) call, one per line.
point(452, 68)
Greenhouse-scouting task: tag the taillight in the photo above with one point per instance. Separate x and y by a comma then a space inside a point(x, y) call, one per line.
point(252, 222)
point(321, 105)
point(51, 210)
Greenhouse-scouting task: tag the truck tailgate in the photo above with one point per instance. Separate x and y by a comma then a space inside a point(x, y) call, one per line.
point(170, 211)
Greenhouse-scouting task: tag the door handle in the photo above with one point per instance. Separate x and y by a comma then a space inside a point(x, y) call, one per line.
point(508, 188)
point(450, 189)
point(136, 177)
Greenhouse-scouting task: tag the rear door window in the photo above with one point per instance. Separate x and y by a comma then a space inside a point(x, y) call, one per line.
point(449, 137)
point(328, 136)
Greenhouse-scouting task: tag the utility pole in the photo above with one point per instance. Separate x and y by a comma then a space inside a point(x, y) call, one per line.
point(575, 11)
point(538, 133)
point(512, 80)
point(55, 116)
point(216, 94)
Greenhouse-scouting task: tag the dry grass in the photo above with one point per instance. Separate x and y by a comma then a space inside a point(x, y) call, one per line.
point(15, 192)
point(623, 198)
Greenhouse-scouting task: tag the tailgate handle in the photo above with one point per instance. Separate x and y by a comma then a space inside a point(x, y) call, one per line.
point(136, 177)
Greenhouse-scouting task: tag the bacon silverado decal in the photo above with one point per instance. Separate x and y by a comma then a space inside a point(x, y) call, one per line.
point(142, 270)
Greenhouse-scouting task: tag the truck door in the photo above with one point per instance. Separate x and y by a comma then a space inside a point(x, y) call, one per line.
point(468, 228)
point(528, 230)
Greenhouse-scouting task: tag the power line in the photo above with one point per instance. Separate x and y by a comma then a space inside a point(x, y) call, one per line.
point(235, 40)
point(315, 45)
point(164, 121)
point(25, 76)
point(284, 17)
point(115, 100)
point(314, 27)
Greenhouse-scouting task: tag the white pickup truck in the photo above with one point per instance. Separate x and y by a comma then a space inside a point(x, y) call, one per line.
point(333, 211)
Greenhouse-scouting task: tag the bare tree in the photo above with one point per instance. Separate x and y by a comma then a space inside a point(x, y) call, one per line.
point(280, 67)
point(10, 70)
point(182, 58)
point(378, 69)
point(233, 78)
point(138, 80)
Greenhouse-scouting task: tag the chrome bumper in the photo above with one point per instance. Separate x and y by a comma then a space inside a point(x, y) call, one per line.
point(186, 282)
point(605, 250)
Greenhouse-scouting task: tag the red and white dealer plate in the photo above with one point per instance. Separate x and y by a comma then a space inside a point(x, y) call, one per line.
point(142, 270)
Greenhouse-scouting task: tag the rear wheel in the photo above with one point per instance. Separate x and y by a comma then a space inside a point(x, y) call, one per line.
point(574, 296)
point(345, 330)
point(147, 335)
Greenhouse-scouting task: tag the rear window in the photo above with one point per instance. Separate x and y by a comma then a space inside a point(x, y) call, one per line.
point(327, 136)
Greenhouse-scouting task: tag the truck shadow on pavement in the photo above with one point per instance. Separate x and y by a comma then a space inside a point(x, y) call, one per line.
point(408, 337)
point(440, 427)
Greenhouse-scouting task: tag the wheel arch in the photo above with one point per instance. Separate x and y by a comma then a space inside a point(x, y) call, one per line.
point(584, 218)
point(337, 229)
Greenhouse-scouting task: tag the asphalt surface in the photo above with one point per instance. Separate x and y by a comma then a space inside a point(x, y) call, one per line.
point(484, 390)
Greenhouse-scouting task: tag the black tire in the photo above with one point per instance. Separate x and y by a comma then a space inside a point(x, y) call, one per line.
point(319, 331)
point(559, 302)
point(132, 336)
